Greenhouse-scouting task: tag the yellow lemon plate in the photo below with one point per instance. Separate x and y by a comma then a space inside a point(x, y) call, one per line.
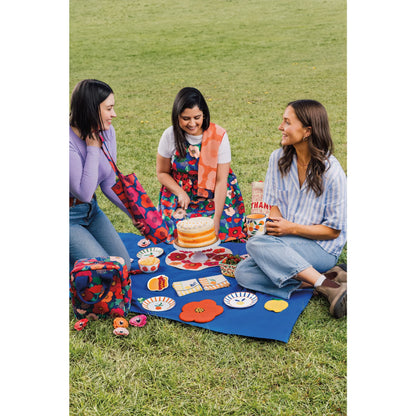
point(276, 305)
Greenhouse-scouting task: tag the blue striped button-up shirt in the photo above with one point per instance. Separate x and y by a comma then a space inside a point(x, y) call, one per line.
point(301, 205)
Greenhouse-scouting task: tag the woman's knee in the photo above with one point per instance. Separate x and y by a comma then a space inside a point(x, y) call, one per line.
point(253, 244)
point(239, 272)
point(243, 279)
point(244, 272)
point(256, 245)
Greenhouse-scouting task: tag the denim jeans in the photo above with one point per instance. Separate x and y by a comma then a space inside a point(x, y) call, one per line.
point(274, 261)
point(91, 234)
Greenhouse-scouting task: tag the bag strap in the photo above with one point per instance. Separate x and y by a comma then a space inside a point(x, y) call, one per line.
point(81, 283)
point(108, 156)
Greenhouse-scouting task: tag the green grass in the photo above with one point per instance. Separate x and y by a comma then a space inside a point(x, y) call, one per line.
point(249, 59)
point(167, 368)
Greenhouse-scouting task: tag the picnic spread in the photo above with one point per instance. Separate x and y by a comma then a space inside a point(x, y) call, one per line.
point(189, 287)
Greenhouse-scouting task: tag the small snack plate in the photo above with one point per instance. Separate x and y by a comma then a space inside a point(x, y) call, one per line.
point(158, 304)
point(151, 251)
point(240, 299)
point(158, 283)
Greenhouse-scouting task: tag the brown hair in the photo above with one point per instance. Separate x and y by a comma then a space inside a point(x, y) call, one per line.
point(311, 114)
point(187, 97)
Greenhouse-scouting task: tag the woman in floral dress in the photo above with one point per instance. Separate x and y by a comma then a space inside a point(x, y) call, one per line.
point(193, 166)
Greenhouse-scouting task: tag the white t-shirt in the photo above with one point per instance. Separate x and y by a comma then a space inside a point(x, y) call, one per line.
point(167, 146)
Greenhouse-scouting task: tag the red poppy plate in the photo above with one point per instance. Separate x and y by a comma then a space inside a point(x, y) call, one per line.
point(183, 259)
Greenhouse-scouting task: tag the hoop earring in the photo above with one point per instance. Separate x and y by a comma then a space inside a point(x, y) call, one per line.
point(305, 139)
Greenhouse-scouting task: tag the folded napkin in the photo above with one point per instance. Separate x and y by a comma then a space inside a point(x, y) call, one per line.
point(214, 282)
point(185, 287)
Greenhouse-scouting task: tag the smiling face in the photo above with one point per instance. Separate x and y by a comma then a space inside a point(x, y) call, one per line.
point(292, 129)
point(107, 112)
point(190, 121)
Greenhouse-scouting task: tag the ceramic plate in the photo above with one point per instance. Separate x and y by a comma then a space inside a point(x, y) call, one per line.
point(240, 299)
point(151, 251)
point(158, 283)
point(158, 304)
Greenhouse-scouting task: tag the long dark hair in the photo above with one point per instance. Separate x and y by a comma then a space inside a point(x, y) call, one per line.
point(85, 105)
point(187, 97)
point(311, 114)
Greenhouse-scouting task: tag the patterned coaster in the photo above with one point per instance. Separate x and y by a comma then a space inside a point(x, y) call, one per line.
point(214, 282)
point(182, 259)
point(185, 287)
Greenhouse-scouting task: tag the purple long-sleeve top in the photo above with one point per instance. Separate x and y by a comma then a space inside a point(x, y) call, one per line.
point(89, 167)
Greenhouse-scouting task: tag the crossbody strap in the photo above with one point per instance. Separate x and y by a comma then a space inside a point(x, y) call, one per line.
point(109, 157)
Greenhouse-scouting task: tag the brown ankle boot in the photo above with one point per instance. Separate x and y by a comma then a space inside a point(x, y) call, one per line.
point(336, 274)
point(336, 293)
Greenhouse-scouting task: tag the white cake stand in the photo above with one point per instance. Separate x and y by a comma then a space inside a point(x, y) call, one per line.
point(199, 256)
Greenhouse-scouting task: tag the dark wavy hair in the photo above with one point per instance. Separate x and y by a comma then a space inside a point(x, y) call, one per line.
point(187, 97)
point(311, 114)
point(85, 105)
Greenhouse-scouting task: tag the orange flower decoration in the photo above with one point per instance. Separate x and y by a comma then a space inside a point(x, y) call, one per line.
point(120, 323)
point(203, 311)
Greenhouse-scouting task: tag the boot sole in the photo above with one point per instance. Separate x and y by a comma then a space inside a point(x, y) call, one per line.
point(339, 307)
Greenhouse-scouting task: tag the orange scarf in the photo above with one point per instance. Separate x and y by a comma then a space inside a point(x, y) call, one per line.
point(208, 160)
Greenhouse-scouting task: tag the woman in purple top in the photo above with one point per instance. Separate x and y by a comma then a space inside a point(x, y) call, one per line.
point(91, 232)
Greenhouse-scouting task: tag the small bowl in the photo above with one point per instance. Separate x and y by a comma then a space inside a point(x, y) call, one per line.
point(227, 269)
point(149, 264)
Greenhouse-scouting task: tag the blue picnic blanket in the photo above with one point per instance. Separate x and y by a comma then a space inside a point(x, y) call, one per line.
point(254, 321)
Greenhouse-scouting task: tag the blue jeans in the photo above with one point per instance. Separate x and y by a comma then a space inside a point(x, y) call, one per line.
point(91, 234)
point(274, 261)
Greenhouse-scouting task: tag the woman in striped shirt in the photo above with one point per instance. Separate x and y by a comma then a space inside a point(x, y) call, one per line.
point(306, 231)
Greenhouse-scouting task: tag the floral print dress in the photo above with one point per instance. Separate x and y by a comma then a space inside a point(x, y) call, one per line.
point(185, 173)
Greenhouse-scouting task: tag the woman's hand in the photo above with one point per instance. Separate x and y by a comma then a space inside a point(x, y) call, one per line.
point(245, 229)
point(183, 199)
point(138, 225)
point(93, 139)
point(163, 172)
point(278, 226)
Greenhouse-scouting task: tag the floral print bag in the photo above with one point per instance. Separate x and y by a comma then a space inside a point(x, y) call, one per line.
point(100, 287)
point(137, 202)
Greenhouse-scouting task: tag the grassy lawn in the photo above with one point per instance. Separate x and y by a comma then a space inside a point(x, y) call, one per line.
point(249, 58)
